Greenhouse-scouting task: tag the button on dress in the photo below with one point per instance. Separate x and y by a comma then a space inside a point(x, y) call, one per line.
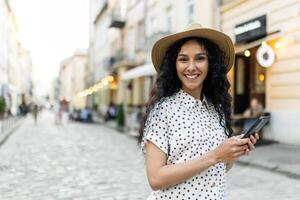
point(184, 128)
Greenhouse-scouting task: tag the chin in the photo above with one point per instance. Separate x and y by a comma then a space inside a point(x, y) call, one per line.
point(192, 87)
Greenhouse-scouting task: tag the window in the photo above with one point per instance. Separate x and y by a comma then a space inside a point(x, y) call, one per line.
point(154, 25)
point(140, 35)
point(190, 11)
point(169, 21)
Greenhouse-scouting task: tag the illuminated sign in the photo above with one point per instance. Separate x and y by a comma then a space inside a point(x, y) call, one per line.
point(265, 56)
point(250, 30)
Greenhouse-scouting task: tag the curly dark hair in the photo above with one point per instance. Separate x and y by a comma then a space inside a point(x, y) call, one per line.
point(215, 85)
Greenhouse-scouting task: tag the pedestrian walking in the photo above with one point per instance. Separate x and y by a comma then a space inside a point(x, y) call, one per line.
point(186, 132)
point(35, 111)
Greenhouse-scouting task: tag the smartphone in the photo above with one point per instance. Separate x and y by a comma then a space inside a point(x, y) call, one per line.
point(257, 126)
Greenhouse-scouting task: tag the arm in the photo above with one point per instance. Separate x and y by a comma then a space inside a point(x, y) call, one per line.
point(161, 175)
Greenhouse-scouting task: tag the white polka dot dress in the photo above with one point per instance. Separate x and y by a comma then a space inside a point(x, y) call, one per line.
point(183, 128)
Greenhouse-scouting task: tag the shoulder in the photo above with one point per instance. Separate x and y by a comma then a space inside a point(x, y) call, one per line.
point(162, 107)
point(165, 103)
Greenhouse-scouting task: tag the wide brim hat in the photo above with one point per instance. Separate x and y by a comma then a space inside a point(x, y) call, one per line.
point(224, 42)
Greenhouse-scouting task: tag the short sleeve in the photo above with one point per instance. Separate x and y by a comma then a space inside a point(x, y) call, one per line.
point(156, 128)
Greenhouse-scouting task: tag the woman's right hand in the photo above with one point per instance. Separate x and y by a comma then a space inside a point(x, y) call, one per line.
point(231, 149)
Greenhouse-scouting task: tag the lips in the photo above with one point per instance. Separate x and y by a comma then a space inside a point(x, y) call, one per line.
point(191, 76)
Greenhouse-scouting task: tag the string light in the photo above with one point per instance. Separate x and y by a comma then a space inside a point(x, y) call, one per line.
point(247, 53)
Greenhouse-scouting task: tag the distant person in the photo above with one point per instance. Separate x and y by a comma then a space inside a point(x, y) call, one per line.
point(23, 109)
point(255, 109)
point(35, 111)
point(57, 116)
point(111, 112)
point(251, 113)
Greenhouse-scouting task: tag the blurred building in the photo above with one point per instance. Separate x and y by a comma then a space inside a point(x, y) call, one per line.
point(15, 62)
point(26, 73)
point(273, 29)
point(4, 35)
point(72, 76)
point(54, 91)
point(105, 50)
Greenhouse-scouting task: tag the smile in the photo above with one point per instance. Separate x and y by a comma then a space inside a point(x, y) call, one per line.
point(192, 76)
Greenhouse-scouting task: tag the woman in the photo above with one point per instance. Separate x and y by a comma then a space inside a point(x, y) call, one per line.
point(186, 127)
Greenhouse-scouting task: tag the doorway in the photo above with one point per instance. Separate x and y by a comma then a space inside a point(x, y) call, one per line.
point(249, 81)
point(241, 83)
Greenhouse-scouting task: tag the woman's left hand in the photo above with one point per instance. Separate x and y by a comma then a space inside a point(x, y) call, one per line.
point(252, 142)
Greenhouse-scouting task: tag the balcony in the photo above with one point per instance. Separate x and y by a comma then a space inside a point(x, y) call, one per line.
point(108, 63)
point(122, 59)
point(117, 20)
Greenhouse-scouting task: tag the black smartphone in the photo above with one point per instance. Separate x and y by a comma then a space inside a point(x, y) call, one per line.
point(257, 126)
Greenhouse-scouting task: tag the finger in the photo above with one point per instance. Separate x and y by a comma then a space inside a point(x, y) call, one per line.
point(235, 138)
point(239, 148)
point(251, 145)
point(253, 139)
point(242, 141)
point(247, 151)
point(256, 136)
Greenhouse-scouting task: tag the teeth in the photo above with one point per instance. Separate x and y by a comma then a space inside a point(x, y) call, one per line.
point(191, 76)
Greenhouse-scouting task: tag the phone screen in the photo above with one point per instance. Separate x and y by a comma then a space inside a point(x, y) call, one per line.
point(257, 126)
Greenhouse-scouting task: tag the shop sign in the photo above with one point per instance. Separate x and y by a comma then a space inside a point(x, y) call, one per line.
point(265, 56)
point(251, 30)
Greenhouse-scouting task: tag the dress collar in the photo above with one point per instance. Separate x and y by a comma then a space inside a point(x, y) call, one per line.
point(189, 101)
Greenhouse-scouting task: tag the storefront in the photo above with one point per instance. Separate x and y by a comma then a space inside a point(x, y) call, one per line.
point(267, 45)
point(138, 83)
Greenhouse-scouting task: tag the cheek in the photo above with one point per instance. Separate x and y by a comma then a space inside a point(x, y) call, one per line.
point(179, 69)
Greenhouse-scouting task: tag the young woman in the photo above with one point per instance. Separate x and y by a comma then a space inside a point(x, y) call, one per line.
point(186, 130)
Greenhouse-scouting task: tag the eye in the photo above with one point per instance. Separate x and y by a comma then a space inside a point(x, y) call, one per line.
point(182, 59)
point(201, 57)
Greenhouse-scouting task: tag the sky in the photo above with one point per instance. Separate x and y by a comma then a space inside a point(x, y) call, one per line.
point(51, 30)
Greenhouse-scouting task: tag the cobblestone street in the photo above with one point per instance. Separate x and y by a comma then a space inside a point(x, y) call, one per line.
point(70, 161)
point(89, 161)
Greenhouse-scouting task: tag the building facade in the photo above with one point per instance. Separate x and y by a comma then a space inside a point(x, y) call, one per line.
point(72, 80)
point(105, 50)
point(15, 62)
point(273, 28)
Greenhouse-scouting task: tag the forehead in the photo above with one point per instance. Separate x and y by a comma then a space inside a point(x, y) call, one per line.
point(192, 45)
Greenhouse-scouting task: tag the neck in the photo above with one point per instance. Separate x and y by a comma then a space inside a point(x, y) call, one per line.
point(197, 94)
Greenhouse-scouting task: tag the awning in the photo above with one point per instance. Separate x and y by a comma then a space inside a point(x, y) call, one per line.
point(239, 48)
point(139, 71)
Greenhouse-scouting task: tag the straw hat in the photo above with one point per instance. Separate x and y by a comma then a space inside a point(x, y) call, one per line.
point(194, 30)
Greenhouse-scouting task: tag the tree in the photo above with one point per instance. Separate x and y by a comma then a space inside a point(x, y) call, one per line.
point(2, 106)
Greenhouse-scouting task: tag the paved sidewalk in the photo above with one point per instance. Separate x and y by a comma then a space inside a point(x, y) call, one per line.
point(281, 158)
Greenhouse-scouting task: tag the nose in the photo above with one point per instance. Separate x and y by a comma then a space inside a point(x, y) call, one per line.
point(192, 66)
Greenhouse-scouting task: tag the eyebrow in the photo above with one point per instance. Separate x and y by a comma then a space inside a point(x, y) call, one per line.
point(198, 54)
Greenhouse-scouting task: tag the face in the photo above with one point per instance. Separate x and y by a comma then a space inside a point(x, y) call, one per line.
point(192, 66)
point(254, 102)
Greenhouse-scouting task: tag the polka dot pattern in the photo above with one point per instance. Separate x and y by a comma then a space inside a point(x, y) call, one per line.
point(183, 128)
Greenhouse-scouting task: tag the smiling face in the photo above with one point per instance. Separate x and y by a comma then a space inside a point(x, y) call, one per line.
point(192, 67)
